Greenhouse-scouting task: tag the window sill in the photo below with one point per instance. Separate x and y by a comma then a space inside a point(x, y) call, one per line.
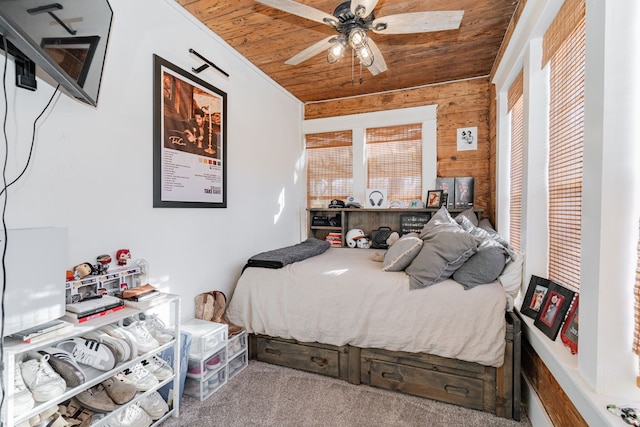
point(564, 367)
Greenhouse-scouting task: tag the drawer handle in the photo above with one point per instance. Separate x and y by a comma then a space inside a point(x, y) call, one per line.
point(273, 351)
point(320, 361)
point(392, 376)
point(460, 391)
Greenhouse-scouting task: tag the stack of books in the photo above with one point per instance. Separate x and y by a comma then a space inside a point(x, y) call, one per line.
point(44, 331)
point(79, 312)
point(335, 239)
point(140, 296)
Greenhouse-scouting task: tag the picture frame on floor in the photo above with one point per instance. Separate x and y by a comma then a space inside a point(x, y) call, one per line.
point(554, 309)
point(190, 140)
point(537, 290)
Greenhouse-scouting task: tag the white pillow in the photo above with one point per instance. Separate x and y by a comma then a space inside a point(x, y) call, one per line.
point(401, 253)
point(511, 276)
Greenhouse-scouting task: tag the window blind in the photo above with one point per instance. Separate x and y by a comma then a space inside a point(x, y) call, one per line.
point(566, 128)
point(516, 160)
point(329, 166)
point(394, 161)
point(636, 291)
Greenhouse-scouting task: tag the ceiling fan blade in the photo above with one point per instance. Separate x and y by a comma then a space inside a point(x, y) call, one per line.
point(363, 8)
point(301, 10)
point(311, 51)
point(378, 66)
point(417, 22)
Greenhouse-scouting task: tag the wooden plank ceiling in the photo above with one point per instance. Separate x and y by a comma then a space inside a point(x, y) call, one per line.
point(268, 37)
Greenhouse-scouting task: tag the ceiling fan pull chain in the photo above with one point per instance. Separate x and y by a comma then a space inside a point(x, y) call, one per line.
point(352, 71)
point(361, 73)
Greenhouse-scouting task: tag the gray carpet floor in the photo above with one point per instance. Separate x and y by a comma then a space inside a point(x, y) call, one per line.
point(268, 395)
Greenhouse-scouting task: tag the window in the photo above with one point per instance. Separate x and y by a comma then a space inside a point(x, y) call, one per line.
point(394, 161)
point(636, 291)
point(516, 107)
point(564, 47)
point(329, 167)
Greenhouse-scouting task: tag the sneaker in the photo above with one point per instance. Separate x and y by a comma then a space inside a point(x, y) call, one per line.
point(158, 367)
point(97, 399)
point(157, 328)
point(121, 350)
point(89, 352)
point(134, 416)
point(194, 370)
point(146, 342)
point(120, 389)
point(143, 379)
point(43, 382)
point(22, 397)
point(118, 332)
point(213, 362)
point(64, 364)
point(154, 405)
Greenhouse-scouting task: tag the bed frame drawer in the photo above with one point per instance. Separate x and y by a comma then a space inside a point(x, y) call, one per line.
point(308, 357)
point(427, 383)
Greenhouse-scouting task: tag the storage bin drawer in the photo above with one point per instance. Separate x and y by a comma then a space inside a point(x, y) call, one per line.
point(299, 356)
point(435, 385)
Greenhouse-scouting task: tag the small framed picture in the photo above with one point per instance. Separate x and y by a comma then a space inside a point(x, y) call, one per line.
point(569, 333)
point(554, 308)
point(434, 198)
point(536, 292)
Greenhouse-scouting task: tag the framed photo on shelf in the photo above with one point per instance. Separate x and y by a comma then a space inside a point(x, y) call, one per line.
point(569, 333)
point(189, 140)
point(434, 198)
point(554, 308)
point(536, 292)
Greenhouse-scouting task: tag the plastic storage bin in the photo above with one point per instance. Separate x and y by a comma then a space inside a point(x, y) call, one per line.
point(206, 337)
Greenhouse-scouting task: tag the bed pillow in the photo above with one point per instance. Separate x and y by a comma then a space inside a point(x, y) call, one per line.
point(482, 268)
point(401, 253)
point(511, 276)
point(441, 255)
point(440, 221)
point(470, 215)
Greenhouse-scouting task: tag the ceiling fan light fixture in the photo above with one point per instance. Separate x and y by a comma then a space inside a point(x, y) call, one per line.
point(357, 38)
point(365, 55)
point(336, 51)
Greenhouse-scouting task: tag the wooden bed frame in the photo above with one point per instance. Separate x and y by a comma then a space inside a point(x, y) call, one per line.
point(475, 386)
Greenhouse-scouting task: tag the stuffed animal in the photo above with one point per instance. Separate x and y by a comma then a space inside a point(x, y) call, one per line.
point(393, 237)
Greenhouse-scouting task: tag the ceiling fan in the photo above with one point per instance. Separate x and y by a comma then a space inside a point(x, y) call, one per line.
point(352, 19)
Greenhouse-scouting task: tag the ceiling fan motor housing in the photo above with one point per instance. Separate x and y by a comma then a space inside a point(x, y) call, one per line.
point(347, 21)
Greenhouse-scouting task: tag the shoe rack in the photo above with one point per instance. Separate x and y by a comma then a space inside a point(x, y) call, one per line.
point(167, 308)
point(213, 357)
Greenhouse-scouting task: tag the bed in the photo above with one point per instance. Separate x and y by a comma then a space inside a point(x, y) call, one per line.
point(340, 314)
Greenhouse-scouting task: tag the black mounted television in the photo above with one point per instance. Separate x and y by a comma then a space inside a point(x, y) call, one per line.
point(66, 38)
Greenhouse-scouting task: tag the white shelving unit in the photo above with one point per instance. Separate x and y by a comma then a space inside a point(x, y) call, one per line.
point(14, 350)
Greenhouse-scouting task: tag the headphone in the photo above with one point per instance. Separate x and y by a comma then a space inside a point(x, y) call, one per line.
point(379, 202)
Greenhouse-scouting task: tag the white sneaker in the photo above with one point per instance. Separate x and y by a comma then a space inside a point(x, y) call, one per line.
point(43, 382)
point(134, 416)
point(154, 405)
point(143, 379)
point(121, 350)
point(158, 329)
point(158, 367)
point(90, 352)
point(22, 397)
point(118, 332)
point(146, 342)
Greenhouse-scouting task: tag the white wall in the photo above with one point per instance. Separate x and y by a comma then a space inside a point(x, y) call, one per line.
point(91, 170)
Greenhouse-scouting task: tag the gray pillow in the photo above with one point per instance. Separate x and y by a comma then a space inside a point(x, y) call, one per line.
point(470, 215)
point(442, 253)
point(483, 267)
point(401, 253)
point(440, 221)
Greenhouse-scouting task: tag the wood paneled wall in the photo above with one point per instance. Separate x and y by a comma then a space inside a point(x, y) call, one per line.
point(460, 104)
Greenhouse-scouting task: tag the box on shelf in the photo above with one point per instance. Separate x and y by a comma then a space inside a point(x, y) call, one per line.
point(206, 337)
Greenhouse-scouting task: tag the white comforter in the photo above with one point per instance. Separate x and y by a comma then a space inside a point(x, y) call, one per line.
point(343, 297)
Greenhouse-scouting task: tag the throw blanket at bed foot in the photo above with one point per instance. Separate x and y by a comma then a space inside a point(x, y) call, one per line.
point(278, 258)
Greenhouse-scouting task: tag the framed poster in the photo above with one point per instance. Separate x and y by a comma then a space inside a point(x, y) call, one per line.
point(569, 333)
point(536, 292)
point(554, 308)
point(464, 192)
point(189, 140)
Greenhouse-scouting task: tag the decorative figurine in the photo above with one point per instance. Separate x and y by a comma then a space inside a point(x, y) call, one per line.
point(103, 263)
point(123, 256)
point(83, 270)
